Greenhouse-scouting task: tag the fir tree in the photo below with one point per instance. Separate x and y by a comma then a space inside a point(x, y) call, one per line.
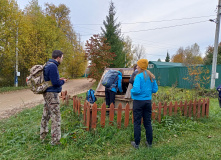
point(167, 57)
point(112, 33)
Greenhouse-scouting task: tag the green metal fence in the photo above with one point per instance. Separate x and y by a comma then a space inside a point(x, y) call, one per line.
point(186, 77)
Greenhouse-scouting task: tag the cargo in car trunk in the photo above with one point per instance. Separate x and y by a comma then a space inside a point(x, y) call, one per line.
point(120, 97)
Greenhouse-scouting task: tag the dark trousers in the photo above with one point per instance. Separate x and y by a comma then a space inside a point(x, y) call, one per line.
point(110, 97)
point(142, 109)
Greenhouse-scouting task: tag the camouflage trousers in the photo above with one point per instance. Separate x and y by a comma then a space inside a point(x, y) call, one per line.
point(51, 110)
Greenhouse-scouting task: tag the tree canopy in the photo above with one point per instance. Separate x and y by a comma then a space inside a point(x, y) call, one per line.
point(189, 56)
point(99, 55)
point(208, 59)
point(112, 34)
point(167, 58)
point(37, 33)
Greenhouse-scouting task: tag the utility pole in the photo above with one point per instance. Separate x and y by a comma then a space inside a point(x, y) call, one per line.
point(16, 63)
point(214, 64)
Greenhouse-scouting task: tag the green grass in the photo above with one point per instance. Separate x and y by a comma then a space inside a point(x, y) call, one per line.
point(174, 138)
point(8, 89)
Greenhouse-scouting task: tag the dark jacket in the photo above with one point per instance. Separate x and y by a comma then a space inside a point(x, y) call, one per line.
point(51, 74)
point(131, 80)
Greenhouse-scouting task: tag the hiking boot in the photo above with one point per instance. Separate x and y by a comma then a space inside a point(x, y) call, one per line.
point(148, 145)
point(134, 145)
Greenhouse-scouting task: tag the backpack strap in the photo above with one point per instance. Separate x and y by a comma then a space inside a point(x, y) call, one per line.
point(47, 63)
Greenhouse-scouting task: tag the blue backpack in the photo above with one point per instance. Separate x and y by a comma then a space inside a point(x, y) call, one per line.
point(109, 78)
point(90, 97)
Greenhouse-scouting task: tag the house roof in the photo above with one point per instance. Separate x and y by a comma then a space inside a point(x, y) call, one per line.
point(165, 64)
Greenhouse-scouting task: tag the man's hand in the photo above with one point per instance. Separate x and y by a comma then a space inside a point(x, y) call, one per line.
point(64, 79)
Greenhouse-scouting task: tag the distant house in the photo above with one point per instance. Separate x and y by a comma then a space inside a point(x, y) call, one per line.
point(156, 64)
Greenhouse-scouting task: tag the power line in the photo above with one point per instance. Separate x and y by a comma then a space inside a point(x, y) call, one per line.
point(156, 21)
point(160, 27)
point(166, 27)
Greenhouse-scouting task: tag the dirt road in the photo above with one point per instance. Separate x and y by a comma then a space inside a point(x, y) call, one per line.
point(14, 102)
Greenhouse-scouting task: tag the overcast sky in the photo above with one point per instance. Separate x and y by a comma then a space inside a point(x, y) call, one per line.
point(158, 25)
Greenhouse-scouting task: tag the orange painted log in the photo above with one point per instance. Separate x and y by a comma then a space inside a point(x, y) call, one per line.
point(181, 107)
point(103, 114)
point(175, 108)
point(165, 109)
point(84, 112)
point(111, 114)
point(94, 116)
point(185, 108)
point(207, 108)
point(126, 121)
point(199, 108)
point(88, 118)
point(203, 107)
point(159, 112)
point(73, 103)
point(76, 105)
point(190, 108)
point(79, 107)
point(119, 114)
point(170, 109)
point(194, 108)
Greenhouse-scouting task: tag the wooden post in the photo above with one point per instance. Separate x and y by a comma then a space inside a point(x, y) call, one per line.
point(185, 108)
point(198, 109)
point(203, 107)
point(159, 112)
point(79, 107)
point(190, 108)
point(84, 112)
point(94, 116)
point(175, 108)
point(73, 103)
point(103, 114)
point(111, 114)
point(170, 109)
point(119, 113)
point(76, 105)
point(194, 108)
point(181, 107)
point(153, 111)
point(165, 109)
point(207, 108)
point(88, 118)
point(126, 121)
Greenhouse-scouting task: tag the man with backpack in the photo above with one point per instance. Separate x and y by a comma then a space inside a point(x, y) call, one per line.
point(111, 91)
point(51, 106)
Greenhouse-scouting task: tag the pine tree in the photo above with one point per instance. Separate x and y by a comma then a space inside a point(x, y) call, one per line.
point(167, 57)
point(112, 34)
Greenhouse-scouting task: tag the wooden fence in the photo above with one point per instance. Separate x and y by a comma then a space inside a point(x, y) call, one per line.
point(197, 108)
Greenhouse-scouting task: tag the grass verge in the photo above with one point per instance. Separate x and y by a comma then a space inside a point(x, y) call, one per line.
point(174, 138)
